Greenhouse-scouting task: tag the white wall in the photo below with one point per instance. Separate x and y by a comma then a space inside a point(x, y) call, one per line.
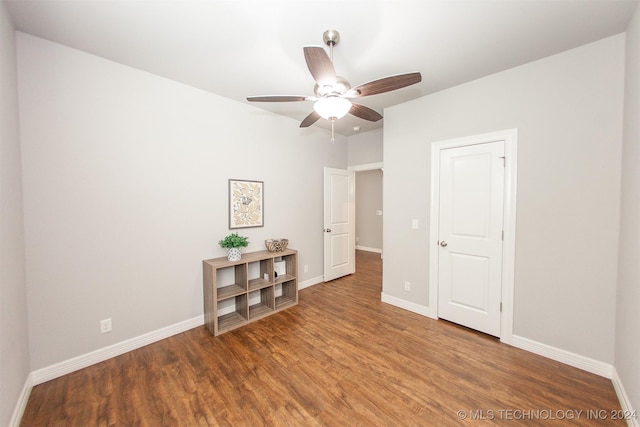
point(568, 110)
point(627, 344)
point(125, 193)
point(14, 339)
point(365, 148)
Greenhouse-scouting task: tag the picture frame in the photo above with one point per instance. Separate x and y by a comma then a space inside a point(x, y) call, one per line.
point(246, 203)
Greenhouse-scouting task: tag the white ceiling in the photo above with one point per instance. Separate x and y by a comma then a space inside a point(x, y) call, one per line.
point(254, 47)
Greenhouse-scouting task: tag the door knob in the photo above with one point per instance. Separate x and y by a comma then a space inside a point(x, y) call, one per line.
point(443, 244)
point(328, 230)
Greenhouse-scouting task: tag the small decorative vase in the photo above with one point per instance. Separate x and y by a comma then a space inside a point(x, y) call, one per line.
point(234, 254)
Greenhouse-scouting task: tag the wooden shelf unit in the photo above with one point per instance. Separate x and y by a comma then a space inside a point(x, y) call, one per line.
point(239, 292)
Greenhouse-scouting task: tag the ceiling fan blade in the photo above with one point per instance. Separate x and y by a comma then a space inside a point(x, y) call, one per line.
point(319, 65)
point(310, 119)
point(386, 84)
point(276, 98)
point(365, 113)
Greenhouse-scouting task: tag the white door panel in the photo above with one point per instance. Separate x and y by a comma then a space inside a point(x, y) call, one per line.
point(339, 223)
point(340, 250)
point(470, 235)
point(469, 281)
point(469, 186)
point(339, 187)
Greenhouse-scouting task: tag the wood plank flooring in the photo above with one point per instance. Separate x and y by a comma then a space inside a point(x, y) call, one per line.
point(340, 357)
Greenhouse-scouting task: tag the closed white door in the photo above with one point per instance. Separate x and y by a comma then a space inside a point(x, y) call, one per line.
point(470, 237)
point(339, 223)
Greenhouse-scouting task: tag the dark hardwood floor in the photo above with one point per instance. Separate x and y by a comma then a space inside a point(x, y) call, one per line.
point(340, 357)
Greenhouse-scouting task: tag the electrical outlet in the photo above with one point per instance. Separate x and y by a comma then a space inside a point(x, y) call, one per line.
point(407, 286)
point(306, 268)
point(105, 326)
point(414, 224)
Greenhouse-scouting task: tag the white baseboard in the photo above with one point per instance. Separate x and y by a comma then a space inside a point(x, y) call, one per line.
point(368, 249)
point(577, 361)
point(310, 282)
point(66, 367)
point(625, 403)
point(18, 411)
point(100, 355)
point(566, 357)
point(407, 305)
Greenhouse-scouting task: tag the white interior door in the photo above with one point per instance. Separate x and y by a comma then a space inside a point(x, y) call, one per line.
point(339, 223)
point(470, 235)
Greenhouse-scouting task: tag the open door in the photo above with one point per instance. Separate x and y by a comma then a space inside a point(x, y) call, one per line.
point(339, 223)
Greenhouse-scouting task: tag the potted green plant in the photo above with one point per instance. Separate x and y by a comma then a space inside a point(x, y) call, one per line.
point(233, 243)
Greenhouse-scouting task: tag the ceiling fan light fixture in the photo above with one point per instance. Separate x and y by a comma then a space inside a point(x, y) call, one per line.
point(332, 107)
point(333, 93)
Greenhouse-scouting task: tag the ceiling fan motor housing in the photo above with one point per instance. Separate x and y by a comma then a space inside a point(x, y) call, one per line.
point(340, 87)
point(331, 37)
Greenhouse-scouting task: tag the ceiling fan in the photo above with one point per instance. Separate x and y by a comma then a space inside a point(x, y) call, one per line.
point(333, 93)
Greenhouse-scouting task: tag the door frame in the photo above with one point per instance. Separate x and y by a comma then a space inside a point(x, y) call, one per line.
point(510, 138)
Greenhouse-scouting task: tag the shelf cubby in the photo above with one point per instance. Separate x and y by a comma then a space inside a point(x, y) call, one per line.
point(287, 294)
point(231, 281)
point(232, 319)
point(260, 274)
point(291, 267)
point(261, 303)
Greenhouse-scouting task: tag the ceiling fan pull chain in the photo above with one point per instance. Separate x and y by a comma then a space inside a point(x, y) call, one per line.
point(333, 121)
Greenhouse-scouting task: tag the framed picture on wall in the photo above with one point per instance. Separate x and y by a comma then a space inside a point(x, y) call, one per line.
point(246, 203)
